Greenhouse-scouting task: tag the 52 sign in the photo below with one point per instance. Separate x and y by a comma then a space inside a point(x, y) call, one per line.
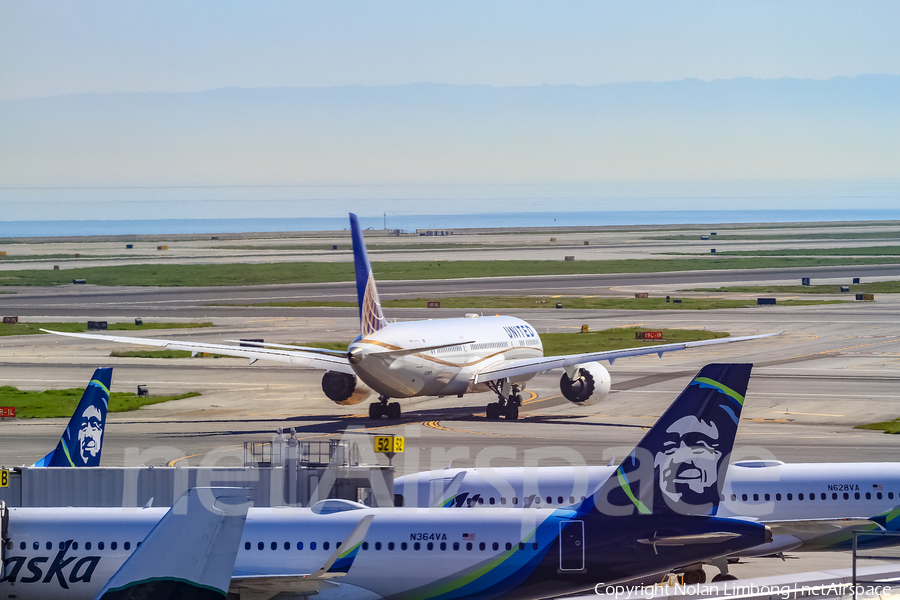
point(388, 444)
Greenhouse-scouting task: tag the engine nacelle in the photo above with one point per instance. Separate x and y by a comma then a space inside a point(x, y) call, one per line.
point(590, 385)
point(345, 389)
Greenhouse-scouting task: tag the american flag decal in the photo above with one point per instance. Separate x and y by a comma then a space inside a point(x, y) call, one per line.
point(468, 536)
point(878, 487)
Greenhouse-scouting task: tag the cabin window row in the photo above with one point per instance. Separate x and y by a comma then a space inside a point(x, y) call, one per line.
point(515, 500)
point(482, 546)
point(811, 496)
point(62, 545)
point(486, 345)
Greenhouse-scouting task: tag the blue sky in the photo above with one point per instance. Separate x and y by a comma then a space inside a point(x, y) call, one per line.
point(62, 47)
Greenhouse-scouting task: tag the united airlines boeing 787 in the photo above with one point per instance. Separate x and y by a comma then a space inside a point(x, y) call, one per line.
point(441, 357)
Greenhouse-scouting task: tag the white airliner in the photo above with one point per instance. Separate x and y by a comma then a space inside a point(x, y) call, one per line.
point(341, 549)
point(442, 357)
point(810, 507)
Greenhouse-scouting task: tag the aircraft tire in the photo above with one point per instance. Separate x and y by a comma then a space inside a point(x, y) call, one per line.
point(393, 410)
point(493, 411)
point(375, 411)
point(724, 577)
point(511, 413)
point(693, 577)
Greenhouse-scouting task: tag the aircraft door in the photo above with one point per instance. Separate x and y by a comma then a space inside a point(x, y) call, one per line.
point(4, 537)
point(571, 546)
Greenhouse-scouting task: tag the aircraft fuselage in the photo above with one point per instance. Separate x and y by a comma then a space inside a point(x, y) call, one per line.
point(471, 344)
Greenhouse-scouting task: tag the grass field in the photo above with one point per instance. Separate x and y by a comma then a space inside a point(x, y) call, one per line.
point(161, 354)
point(887, 426)
point(273, 273)
point(62, 403)
point(33, 328)
point(877, 287)
point(867, 251)
point(592, 303)
point(760, 237)
point(556, 344)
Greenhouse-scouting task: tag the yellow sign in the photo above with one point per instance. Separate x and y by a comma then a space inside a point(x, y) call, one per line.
point(4, 478)
point(388, 444)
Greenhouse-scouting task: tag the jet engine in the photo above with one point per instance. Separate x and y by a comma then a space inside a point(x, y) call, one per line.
point(589, 384)
point(344, 389)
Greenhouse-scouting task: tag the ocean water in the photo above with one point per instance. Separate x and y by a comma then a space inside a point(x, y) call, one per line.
point(413, 222)
point(152, 210)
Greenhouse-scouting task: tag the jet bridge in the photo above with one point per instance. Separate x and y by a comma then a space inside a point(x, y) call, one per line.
point(283, 472)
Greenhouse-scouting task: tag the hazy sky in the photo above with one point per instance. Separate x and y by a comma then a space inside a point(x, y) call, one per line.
point(50, 48)
point(61, 47)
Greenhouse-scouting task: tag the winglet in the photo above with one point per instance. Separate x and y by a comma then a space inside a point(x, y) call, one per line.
point(448, 494)
point(339, 563)
point(371, 318)
point(191, 551)
point(679, 466)
point(82, 440)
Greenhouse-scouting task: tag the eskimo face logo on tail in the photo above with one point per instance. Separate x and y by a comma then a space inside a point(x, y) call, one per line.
point(90, 434)
point(688, 465)
point(679, 466)
point(83, 438)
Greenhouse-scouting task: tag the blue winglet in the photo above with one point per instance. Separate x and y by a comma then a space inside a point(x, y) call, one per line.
point(371, 318)
point(82, 441)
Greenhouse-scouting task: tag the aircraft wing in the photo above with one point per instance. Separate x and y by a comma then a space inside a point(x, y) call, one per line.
point(805, 527)
point(314, 358)
point(513, 368)
point(263, 586)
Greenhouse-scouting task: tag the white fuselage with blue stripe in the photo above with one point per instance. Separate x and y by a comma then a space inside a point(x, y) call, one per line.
point(770, 491)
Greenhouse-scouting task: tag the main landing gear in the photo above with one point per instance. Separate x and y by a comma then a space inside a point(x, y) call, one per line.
point(382, 408)
point(507, 405)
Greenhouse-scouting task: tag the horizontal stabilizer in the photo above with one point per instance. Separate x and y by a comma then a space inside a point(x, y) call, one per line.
point(393, 354)
point(713, 537)
point(290, 347)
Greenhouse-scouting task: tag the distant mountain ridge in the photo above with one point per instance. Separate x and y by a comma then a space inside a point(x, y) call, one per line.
point(846, 127)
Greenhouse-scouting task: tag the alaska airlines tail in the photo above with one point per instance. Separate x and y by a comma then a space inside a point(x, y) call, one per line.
point(191, 551)
point(679, 466)
point(82, 440)
point(371, 318)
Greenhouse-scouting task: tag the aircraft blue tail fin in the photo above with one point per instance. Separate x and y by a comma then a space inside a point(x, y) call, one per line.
point(371, 318)
point(679, 466)
point(82, 440)
point(191, 551)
